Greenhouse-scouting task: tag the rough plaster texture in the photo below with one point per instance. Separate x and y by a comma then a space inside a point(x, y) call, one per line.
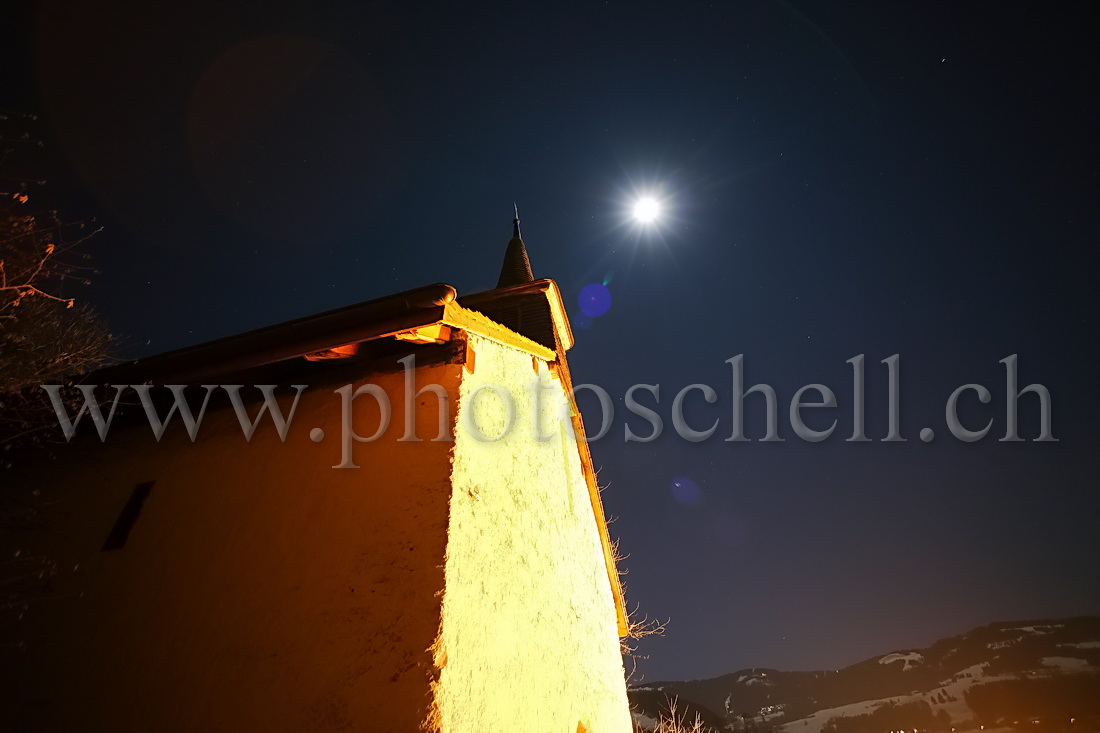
point(528, 640)
point(261, 589)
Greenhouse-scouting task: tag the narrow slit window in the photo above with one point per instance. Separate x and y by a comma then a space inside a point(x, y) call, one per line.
point(128, 517)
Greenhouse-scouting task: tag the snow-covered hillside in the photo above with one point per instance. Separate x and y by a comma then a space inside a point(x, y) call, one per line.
point(937, 679)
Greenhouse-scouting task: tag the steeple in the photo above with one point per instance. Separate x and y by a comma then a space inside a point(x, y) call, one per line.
point(516, 269)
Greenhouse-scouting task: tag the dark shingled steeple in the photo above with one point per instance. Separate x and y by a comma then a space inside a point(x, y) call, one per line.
point(517, 267)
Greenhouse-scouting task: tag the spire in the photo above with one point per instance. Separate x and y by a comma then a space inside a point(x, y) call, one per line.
point(517, 267)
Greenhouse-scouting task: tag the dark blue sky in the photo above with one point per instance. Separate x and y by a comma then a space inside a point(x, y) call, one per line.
point(839, 179)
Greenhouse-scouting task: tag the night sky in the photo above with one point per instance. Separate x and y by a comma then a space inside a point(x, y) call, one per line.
point(837, 179)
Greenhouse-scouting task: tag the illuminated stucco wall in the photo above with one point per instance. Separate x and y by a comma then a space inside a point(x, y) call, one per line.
point(459, 583)
point(528, 638)
point(260, 589)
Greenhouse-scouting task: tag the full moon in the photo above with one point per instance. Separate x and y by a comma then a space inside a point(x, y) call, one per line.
point(646, 210)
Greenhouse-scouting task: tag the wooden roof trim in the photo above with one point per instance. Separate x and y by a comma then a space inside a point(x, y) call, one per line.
point(588, 468)
point(553, 297)
point(374, 319)
point(355, 323)
point(474, 321)
point(561, 318)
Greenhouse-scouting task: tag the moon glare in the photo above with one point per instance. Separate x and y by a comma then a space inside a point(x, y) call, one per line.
point(646, 210)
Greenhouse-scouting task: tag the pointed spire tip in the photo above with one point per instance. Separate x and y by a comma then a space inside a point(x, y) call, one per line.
point(517, 267)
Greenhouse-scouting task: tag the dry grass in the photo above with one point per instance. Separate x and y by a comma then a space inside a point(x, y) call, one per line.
point(675, 722)
point(638, 626)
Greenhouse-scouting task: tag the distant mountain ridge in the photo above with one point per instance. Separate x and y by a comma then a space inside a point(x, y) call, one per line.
point(941, 678)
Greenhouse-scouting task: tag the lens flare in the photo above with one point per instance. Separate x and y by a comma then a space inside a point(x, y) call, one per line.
point(686, 491)
point(594, 300)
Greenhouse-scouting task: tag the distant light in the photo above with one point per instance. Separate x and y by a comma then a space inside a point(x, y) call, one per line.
point(647, 209)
